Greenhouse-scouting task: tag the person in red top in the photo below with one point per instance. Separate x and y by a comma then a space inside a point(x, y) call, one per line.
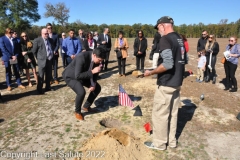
point(185, 45)
point(186, 49)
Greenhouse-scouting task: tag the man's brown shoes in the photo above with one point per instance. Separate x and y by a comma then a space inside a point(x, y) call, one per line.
point(79, 116)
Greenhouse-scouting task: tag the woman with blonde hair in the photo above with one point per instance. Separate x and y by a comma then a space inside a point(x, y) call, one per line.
point(29, 61)
point(121, 46)
point(212, 49)
point(231, 63)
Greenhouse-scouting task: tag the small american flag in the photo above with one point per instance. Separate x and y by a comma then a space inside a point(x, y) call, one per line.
point(124, 99)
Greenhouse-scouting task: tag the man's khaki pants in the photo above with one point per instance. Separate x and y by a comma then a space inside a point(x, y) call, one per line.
point(164, 115)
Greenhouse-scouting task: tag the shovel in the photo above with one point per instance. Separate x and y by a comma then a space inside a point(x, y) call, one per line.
point(210, 61)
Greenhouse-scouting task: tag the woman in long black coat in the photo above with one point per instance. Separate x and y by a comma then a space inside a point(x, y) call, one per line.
point(140, 47)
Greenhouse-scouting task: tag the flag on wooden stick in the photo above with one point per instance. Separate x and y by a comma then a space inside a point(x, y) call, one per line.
point(124, 99)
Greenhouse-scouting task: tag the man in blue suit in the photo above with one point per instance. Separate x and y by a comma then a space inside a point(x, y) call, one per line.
point(10, 51)
point(55, 44)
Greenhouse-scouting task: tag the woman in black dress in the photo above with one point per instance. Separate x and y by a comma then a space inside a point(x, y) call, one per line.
point(29, 61)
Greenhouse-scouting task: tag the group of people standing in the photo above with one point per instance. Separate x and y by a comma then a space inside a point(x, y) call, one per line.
point(208, 49)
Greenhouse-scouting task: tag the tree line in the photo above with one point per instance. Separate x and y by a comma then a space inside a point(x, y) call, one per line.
point(20, 15)
point(220, 30)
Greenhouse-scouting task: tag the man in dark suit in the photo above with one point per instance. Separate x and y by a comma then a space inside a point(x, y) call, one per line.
point(62, 53)
point(10, 51)
point(43, 51)
point(81, 38)
point(104, 41)
point(83, 71)
point(55, 40)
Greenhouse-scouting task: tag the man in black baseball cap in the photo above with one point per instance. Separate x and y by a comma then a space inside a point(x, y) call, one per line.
point(164, 19)
point(169, 81)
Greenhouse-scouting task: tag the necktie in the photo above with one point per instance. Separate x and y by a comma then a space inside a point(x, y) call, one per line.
point(90, 68)
point(73, 46)
point(49, 52)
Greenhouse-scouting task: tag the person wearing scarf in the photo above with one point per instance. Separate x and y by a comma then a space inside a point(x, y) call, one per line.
point(89, 43)
point(121, 45)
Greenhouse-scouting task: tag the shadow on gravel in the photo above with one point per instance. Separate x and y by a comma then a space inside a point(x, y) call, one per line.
point(104, 103)
point(15, 96)
point(185, 114)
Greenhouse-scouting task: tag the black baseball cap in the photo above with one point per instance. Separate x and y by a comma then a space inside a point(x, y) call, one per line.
point(164, 19)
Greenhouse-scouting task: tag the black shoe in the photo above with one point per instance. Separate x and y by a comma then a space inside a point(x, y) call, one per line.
point(226, 89)
point(214, 80)
point(206, 79)
point(233, 90)
point(105, 69)
point(49, 89)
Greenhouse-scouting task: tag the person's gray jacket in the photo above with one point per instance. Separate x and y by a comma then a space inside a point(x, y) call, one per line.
point(39, 50)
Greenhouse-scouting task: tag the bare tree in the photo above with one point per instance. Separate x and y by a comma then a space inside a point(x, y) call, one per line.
point(59, 12)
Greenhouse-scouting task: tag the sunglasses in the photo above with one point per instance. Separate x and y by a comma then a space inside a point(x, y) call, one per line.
point(24, 36)
point(230, 40)
point(63, 35)
point(203, 34)
point(210, 37)
point(11, 32)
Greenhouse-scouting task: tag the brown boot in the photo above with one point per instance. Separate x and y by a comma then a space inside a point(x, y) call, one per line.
point(79, 116)
point(9, 88)
point(21, 86)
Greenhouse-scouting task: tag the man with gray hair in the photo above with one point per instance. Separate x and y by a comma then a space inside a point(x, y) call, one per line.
point(170, 77)
point(95, 36)
point(63, 54)
point(104, 41)
point(81, 38)
point(43, 51)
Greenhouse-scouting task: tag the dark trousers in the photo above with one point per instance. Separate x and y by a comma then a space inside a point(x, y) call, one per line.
point(68, 60)
point(140, 60)
point(121, 65)
point(105, 61)
point(213, 64)
point(47, 70)
point(77, 87)
point(15, 68)
point(230, 70)
point(64, 60)
point(55, 66)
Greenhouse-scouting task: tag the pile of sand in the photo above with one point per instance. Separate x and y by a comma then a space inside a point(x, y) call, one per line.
point(116, 144)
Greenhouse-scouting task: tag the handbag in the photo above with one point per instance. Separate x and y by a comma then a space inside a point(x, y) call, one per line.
point(119, 53)
point(13, 61)
point(223, 60)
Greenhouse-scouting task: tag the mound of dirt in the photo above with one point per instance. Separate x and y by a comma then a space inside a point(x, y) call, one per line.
point(116, 144)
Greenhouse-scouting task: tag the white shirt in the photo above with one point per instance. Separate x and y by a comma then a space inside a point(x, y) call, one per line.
point(10, 39)
point(90, 68)
point(202, 61)
point(105, 35)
